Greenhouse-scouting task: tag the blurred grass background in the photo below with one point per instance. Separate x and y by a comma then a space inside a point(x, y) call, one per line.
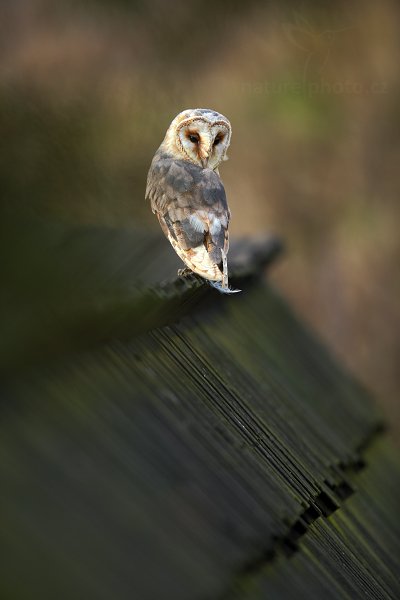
point(88, 88)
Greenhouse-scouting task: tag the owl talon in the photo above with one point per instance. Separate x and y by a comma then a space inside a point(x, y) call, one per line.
point(185, 272)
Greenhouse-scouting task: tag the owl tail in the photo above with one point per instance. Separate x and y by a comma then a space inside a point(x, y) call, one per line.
point(199, 261)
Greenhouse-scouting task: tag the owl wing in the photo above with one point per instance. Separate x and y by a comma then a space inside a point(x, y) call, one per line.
point(191, 206)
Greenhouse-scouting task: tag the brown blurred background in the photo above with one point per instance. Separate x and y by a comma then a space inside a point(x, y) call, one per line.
point(88, 88)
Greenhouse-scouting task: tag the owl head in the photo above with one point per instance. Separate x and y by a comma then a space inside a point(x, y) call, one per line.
point(199, 135)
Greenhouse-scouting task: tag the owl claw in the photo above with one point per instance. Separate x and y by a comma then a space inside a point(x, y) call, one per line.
point(223, 287)
point(185, 272)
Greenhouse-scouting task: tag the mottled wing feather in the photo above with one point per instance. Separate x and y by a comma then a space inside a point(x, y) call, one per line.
point(191, 206)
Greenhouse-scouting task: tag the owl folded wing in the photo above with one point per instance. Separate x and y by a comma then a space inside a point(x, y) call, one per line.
point(191, 206)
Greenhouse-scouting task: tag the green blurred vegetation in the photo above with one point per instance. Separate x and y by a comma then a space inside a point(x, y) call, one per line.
point(88, 88)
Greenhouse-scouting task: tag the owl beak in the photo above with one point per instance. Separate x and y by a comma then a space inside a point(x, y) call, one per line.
point(204, 156)
point(205, 151)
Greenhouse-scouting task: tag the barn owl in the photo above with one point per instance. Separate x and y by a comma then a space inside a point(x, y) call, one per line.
point(187, 195)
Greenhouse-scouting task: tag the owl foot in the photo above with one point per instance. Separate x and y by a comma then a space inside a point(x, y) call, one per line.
point(185, 272)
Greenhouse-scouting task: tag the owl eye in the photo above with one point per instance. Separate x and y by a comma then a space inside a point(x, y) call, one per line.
point(194, 138)
point(218, 139)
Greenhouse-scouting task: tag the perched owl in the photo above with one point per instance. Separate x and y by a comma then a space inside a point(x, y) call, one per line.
point(187, 195)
